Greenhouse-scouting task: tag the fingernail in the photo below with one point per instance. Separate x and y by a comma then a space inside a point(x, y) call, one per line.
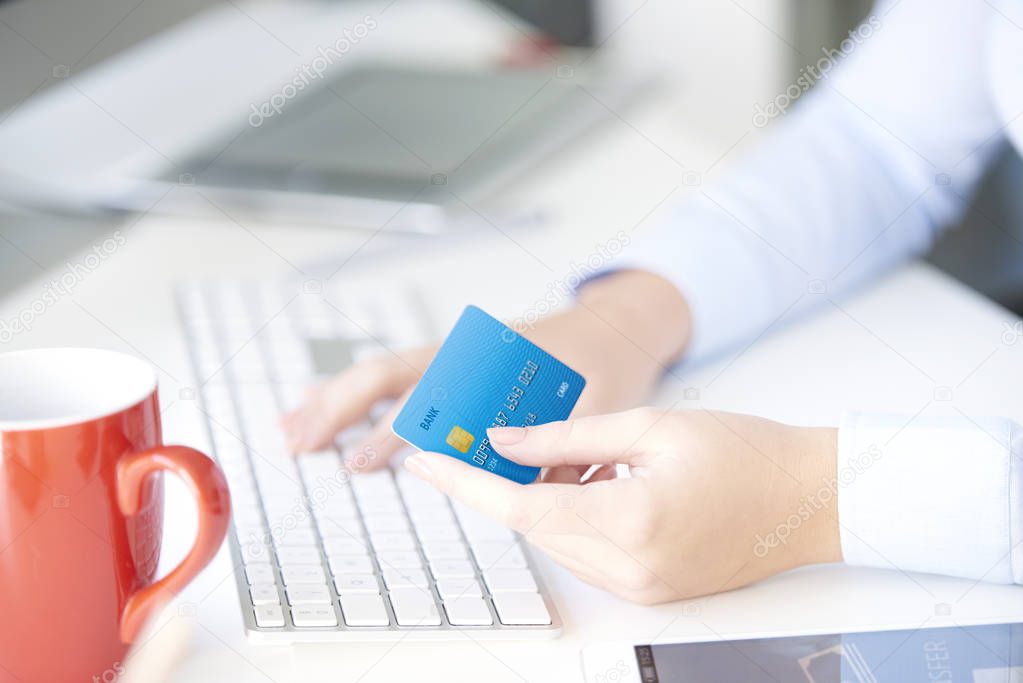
point(506, 436)
point(417, 466)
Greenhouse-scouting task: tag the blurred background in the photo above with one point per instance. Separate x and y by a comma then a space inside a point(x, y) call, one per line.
point(351, 114)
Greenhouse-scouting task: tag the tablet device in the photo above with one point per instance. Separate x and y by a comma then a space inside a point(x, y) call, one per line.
point(961, 654)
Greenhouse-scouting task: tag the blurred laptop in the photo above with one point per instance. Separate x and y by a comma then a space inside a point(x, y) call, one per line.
point(395, 115)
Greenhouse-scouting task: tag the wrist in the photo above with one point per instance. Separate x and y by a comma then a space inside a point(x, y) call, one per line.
point(645, 308)
point(818, 464)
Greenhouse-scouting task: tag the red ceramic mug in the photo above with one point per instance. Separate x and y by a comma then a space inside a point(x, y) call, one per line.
point(81, 511)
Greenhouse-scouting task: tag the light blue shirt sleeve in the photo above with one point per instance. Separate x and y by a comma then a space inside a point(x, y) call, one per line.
point(861, 175)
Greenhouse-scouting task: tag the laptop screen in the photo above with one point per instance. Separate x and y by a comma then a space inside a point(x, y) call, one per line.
point(570, 22)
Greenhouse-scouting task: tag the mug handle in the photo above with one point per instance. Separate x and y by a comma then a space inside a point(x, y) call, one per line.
point(206, 482)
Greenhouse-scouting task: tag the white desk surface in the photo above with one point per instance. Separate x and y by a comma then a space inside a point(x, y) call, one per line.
point(909, 341)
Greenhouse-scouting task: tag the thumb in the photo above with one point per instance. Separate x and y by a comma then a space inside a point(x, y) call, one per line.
point(598, 439)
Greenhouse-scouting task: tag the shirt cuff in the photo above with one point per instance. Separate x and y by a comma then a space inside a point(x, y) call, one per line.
point(936, 495)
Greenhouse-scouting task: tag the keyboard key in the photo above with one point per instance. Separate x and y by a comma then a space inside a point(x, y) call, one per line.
point(400, 559)
point(247, 518)
point(280, 491)
point(244, 496)
point(500, 580)
point(264, 594)
point(259, 573)
point(298, 555)
point(432, 514)
point(490, 554)
point(521, 609)
point(240, 481)
point(438, 532)
point(381, 507)
point(334, 492)
point(444, 550)
point(393, 541)
point(276, 478)
point(415, 489)
point(379, 484)
point(255, 552)
point(251, 535)
point(417, 492)
point(318, 468)
point(373, 483)
point(289, 537)
point(350, 564)
point(339, 527)
point(336, 508)
point(458, 588)
point(347, 584)
point(452, 569)
point(308, 595)
point(468, 611)
point(386, 524)
point(405, 578)
point(374, 493)
point(314, 616)
point(300, 574)
point(288, 513)
point(414, 607)
point(269, 616)
point(345, 546)
point(363, 610)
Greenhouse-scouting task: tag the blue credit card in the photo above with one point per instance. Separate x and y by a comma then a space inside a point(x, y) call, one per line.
point(486, 375)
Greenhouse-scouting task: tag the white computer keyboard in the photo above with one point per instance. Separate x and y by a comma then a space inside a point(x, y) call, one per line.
point(321, 551)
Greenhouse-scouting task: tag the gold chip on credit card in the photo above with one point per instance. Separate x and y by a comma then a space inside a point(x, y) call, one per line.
point(460, 439)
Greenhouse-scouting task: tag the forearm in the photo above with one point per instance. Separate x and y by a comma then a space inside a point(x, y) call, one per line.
point(645, 308)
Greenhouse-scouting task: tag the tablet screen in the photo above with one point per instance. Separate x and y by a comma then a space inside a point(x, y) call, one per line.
point(972, 654)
